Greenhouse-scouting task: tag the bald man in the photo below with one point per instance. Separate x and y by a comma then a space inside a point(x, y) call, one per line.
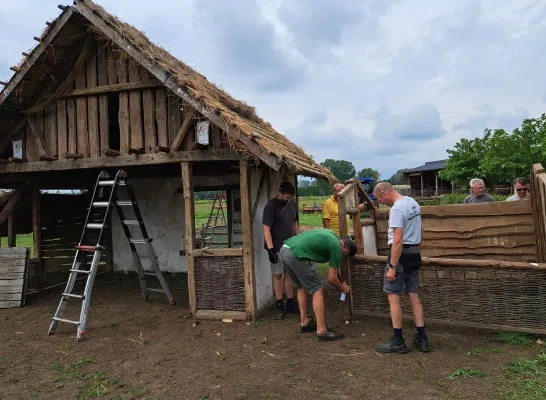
point(403, 263)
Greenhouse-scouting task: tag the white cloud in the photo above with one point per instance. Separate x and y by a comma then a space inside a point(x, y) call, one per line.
point(386, 85)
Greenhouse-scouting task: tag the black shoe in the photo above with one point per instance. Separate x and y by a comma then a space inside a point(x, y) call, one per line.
point(292, 308)
point(421, 342)
point(279, 312)
point(393, 345)
point(330, 334)
point(310, 327)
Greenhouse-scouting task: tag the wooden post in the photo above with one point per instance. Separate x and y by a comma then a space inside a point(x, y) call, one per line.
point(343, 233)
point(436, 182)
point(357, 227)
point(230, 212)
point(422, 185)
point(37, 236)
point(12, 232)
point(189, 216)
point(248, 240)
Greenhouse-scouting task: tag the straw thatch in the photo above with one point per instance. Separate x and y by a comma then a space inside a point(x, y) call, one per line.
point(233, 112)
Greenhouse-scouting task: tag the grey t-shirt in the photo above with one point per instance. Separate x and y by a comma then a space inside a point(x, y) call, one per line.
point(405, 213)
point(280, 216)
point(484, 198)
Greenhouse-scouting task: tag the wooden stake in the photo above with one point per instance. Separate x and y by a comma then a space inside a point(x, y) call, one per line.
point(248, 240)
point(14, 69)
point(16, 160)
point(136, 151)
point(12, 232)
point(73, 156)
point(37, 39)
point(25, 54)
point(111, 153)
point(162, 149)
point(48, 158)
point(189, 215)
point(37, 235)
point(4, 83)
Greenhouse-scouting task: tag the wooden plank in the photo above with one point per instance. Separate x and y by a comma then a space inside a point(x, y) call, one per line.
point(12, 264)
point(10, 304)
point(30, 147)
point(11, 253)
point(36, 53)
point(104, 88)
point(81, 116)
point(71, 126)
point(14, 289)
point(135, 108)
point(123, 113)
point(173, 116)
point(18, 283)
point(248, 239)
point(62, 133)
point(343, 233)
point(37, 234)
point(50, 129)
point(183, 131)
point(357, 230)
point(92, 105)
point(217, 315)
point(217, 252)
point(216, 137)
point(11, 296)
point(148, 109)
point(12, 231)
point(189, 219)
point(102, 79)
point(36, 127)
point(12, 275)
point(161, 118)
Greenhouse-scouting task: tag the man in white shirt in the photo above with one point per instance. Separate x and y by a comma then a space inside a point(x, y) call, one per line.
point(521, 190)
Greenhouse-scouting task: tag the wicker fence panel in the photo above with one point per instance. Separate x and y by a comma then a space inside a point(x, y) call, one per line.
point(220, 283)
point(489, 297)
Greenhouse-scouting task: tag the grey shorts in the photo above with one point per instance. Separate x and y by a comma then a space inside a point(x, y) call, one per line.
point(407, 275)
point(277, 269)
point(303, 272)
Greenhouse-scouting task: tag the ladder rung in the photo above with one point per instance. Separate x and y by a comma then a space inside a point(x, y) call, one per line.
point(156, 290)
point(80, 271)
point(95, 226)
point(131, 222)
point(66, 320)
point(110, 183)
point(149, 273)
point(100, 204)
point(87, 248)
point(124, 203)
point(78, 296)
point(137, 241)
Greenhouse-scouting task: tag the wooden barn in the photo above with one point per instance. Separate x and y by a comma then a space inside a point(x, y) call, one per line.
point(95, 94)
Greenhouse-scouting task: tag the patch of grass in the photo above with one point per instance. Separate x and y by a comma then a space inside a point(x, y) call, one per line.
point(516, 338)
point(469, 373)
point(529, 377)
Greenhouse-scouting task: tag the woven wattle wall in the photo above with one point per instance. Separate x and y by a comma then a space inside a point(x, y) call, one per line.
point(482, 296)
point(220, 283)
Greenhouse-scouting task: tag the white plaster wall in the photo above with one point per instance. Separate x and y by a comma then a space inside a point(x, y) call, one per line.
point(162, 209)
point(264, 286)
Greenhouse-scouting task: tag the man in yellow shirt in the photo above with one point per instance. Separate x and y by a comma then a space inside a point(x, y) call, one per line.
point(330, 211)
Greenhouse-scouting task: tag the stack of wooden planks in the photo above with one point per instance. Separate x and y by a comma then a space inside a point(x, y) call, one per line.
point(14, 269)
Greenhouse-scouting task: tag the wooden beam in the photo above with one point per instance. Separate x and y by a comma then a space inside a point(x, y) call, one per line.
point(218, 315)
point(12, 231)
point(29, 62)
point(14, 198)
point(166, 79)
point(261, 185)
point(39, 140)
point(17, 160)
point(162, 149)
point(119, 87)
point(218, 252)
point(183, 131)
point(121, 161)
point(189, 215)
point(248, 240)
point(111, 153)
point(136, 151)
point(73, 156)
point(343, 233)
point(37, 234)
point(48, 158)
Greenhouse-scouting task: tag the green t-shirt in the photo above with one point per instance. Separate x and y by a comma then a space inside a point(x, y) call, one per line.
point(319, 245)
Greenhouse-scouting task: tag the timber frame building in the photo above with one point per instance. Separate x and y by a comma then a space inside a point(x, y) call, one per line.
point(96, 94)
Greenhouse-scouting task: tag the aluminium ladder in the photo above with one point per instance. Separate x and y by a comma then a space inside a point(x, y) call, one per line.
point(109, 201)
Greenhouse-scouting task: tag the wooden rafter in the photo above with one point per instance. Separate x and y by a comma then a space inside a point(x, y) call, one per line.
point(271, 160)
point(14, 198)
point(118, 87)
point(183, 131)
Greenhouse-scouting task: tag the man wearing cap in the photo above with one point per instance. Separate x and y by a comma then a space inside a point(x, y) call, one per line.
point(280, 222)
point(403, 264)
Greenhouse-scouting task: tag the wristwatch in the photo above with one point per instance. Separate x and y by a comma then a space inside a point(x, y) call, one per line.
point(392, 266)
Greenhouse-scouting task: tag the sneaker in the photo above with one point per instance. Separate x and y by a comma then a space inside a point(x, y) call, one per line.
point(330, 334)
point(279, 312)
point(310, 327)
point(421, 342)
point(393, 345)
point(292, 308)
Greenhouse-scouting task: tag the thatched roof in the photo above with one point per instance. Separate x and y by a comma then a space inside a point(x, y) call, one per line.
point(247, 131)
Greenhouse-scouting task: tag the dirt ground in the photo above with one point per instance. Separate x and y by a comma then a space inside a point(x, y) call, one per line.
point(152, 350)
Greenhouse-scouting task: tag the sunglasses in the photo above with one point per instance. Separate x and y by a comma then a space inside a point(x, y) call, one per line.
point(522, 190)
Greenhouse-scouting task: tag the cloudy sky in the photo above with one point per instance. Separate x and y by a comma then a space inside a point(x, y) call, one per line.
point(385, 84)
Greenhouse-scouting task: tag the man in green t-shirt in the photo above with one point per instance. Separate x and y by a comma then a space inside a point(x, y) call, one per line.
point(299, 256)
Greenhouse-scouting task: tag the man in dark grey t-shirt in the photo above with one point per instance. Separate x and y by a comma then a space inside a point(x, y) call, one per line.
point(477, 187)
point(280, 222)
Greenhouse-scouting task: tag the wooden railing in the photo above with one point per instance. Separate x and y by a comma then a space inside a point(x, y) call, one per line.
point(538, 206)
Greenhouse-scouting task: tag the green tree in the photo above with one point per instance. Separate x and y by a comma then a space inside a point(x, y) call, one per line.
point(398, 178)
point(464, 161)
point(341, 169)
point(369, 173)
